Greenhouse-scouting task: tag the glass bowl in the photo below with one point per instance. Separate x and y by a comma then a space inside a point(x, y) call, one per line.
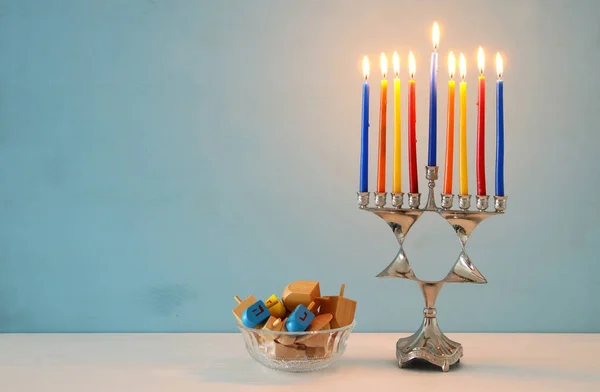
point(296, 351)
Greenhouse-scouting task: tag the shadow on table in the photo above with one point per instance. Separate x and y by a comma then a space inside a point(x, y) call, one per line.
point(250, 372)
point(524, 372)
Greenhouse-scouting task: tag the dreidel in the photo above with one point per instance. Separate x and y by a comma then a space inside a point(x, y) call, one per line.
point(272, 325)
point(241, 306)
point(302, 292)
point(276, 307)
point(341, 308)
point(255, 314)
point(320, 322)
point(300, 318)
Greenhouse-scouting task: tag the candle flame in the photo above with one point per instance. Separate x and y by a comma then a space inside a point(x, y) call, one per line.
point(384, 65)
point(396, 61)
point(480, 60)
point(462, 66)
point(411, 64)
point(451, 65)
point(435, 35)
point(499, 65)
point(366, 67)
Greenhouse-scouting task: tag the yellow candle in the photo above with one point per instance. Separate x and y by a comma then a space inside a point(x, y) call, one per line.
point(462, 142)
point(397, 168)
point(450, 128)
point(382, 127)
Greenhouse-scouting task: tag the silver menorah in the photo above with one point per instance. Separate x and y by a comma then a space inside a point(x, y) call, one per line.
point(429, 343)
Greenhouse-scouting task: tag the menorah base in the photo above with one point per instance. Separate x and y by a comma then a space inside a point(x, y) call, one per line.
point(429, 344)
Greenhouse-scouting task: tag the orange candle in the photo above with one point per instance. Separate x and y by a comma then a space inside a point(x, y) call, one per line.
point(450, 128)
point(480, 162)
point(463, 174)
point(397, 168)
point(382, 127)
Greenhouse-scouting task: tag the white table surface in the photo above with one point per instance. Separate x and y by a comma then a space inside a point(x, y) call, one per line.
point(219, 362)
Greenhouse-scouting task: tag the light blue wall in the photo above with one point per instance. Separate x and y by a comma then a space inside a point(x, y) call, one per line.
point(158, 157)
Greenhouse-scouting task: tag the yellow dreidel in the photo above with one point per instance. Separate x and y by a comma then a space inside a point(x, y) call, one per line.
point(275, 307)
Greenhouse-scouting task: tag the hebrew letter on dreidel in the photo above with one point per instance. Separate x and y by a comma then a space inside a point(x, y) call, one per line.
point(242, 306)
point(255, 314)
point(275, 306)
point(300, 318)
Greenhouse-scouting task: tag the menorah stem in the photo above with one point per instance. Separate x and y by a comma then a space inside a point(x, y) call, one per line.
point(430, 292)
point(429, 343)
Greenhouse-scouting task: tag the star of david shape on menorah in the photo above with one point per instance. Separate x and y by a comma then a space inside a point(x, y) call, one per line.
point(429, 343)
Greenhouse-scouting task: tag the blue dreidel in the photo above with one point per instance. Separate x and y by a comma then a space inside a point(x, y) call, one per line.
point(300, 318)
point(255, 314)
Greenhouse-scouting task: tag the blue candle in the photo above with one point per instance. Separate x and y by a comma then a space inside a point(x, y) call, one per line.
point(499, 129)
point(364, 147)
point(432, 156)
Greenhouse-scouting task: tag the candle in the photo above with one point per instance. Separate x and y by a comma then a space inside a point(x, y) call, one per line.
point(432, 156)
point(480, 163)
point(450, 127)
point(499, 128)
point(462, 131)
point(412, 128)
point(397, 168)
point(364, 146)
point(382, 126)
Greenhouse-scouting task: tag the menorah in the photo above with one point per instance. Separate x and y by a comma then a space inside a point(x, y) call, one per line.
point(429, 343)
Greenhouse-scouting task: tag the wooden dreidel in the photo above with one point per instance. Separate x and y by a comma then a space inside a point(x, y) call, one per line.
point(341, 308)
point(286, 339)
point(320, 322)
point(302, 292)
point(272, 324)
point(281, 351)
point(317, 352)
point(255, 314)
point(242, 305)
point(276, 307)
point(300, 318)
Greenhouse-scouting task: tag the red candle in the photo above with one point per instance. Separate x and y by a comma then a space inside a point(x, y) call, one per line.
point(412, 128)
point(480, 163)
point(382, 127)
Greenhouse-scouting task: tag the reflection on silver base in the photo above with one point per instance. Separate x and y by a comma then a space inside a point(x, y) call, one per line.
point(447, 201)
point(429, 344)
point(363, 199)
point(500, 203)
point(414, 200)
point(397, 199)
point(482, 203)
point(464, 202)
point(380, 199)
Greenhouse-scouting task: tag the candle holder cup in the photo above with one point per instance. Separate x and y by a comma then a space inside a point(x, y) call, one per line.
point(447, 201)
point(380, 199)
point(429, 343)
point(397, 199)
